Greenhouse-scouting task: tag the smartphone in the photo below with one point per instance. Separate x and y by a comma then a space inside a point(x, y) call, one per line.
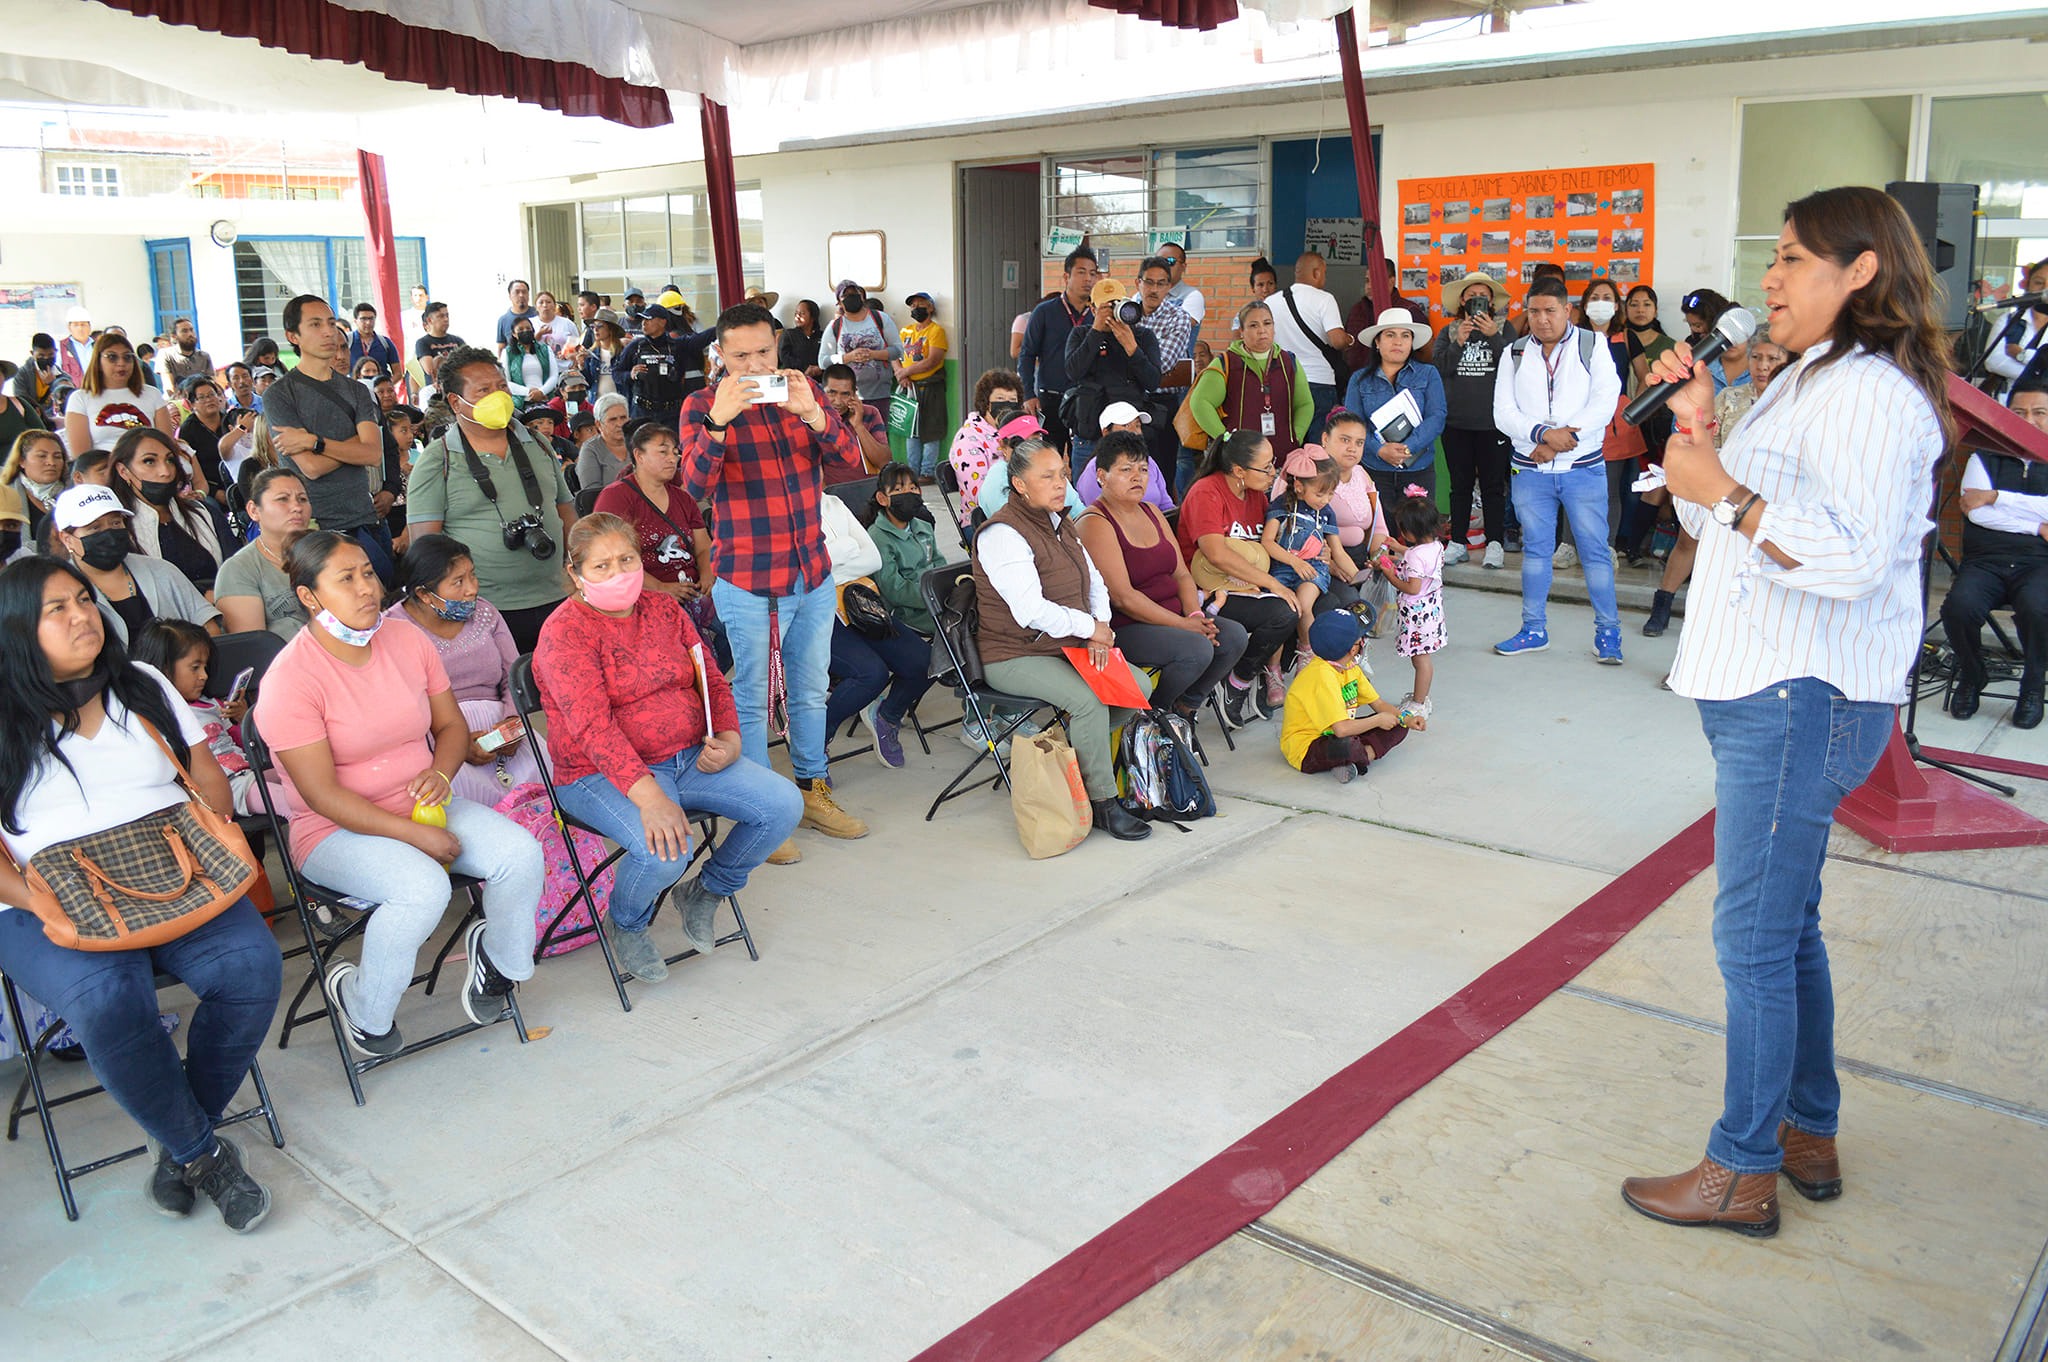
point(509, 731)
point(771, 388)
point(240, 687)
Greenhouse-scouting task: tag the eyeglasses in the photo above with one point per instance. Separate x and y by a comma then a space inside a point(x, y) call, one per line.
point(1260, 467)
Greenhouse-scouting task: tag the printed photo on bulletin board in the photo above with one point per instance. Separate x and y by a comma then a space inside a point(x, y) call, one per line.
point(1595, 221)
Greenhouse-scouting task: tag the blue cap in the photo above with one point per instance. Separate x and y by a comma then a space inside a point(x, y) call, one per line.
point(1334, 634)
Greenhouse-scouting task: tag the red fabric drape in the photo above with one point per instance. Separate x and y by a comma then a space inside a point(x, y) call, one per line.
point(1378, 283)
point(381, 245)
point(1200, 14)
point(721, 193)
point(416, 56)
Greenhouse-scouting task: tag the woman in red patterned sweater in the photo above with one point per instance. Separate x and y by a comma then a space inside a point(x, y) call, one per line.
point(624, 678)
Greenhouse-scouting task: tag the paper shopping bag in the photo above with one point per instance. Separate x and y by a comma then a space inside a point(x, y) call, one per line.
point(1046, 795)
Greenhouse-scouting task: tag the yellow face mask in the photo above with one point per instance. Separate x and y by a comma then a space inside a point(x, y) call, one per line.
point(494, 412)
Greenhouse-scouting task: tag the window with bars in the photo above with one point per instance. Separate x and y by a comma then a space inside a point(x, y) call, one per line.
point(655, 240)
point(90, 182)
point(1210, 198)
point(271, 271)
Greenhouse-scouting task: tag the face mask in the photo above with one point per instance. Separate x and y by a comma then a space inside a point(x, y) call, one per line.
point(455, 612)
point(854, 300)
point(10, 543)
point(493, 413)
point(1600, 312)
point(104, 549)
point(79, 693)
point(920, 314)
point(615, 593)
point(905, 505)
point(521, 339)
point(158, 494)
point(359, 638)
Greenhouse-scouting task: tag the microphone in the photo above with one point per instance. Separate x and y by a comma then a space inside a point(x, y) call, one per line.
point(1735, 327)
point(2017, 300)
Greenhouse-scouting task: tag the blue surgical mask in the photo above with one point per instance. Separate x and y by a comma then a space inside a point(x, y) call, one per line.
point(455, 612)
point(359, 638)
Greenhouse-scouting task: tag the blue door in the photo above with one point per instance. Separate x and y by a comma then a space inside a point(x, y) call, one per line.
point(170, 282)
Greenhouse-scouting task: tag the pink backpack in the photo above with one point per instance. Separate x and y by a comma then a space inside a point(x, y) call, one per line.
point(527, 805)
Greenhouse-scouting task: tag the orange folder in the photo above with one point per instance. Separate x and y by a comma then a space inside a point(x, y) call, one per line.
point(1115, 685)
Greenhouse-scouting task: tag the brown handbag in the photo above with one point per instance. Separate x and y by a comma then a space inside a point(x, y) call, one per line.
point(1190, 431)
point(145, 882)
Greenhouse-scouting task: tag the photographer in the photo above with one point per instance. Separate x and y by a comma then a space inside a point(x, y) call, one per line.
point(490, 483)
point(1468, 357)
point(649, 371)
point(1109, 359)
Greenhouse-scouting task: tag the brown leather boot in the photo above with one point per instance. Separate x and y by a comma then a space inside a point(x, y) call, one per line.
point(1810, 1163)
point(1709, 1194)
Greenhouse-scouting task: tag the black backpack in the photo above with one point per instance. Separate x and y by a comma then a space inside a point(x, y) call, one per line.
point(1158, 772)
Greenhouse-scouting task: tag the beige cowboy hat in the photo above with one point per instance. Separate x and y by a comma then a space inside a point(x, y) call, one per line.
point(1454, 292)
point(765, 297)
point(1396, 319)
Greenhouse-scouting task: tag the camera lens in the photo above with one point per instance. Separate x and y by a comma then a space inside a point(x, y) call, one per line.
point(539, 544)
point(1129, 312)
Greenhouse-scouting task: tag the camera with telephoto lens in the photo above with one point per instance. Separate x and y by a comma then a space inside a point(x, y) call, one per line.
point(1129, 312)
point(526, 533)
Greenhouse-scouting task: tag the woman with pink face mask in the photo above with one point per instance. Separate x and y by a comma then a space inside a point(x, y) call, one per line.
point(641, 728)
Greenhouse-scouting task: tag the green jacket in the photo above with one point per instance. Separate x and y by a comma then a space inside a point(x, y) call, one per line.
point(906, 555)
point(1208, 393)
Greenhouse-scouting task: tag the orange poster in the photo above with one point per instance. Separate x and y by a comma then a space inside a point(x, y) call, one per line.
point(1595, 221)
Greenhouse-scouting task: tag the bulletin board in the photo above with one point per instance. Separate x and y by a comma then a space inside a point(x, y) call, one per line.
point(1595, 221)
point(26, 309)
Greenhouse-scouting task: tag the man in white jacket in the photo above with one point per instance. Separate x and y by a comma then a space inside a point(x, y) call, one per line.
point(1553, 397)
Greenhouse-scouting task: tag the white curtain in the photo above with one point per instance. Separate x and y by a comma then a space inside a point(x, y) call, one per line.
point(300, 266)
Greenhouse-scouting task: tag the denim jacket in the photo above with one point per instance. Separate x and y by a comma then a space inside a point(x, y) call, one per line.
point(1369, 390)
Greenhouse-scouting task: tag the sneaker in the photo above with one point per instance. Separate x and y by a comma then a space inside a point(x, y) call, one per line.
point(971, 737)
point(699, 907)
point(1456, 553)
point(1607, 647)
point(1276, 688)
point(1344, 772)
point(1238, 708)
point(1495, 556)
point(243, 1201)
point(1565, 557)
point(822, 812)
point(168, 1194)
point(371, 1044)
point(888, 736)
point(636, 953)
point(1514, 543)
point(484, 990)
point(1528, 641)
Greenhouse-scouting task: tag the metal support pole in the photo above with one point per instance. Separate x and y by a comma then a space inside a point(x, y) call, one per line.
point(1361, 154)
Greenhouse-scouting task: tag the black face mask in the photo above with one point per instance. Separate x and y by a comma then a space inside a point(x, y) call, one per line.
point(158, 494)
point(10, 542)
point(854, 300)
point(905, 505)
point(920, 314)
point(523, 338)
point(104, 549)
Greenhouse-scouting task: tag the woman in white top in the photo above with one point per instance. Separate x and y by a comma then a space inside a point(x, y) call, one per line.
point(863, 666)
point(530, 367)
point(79, 757)
point(170, 521)
point(113, 400)
point(1806, 617)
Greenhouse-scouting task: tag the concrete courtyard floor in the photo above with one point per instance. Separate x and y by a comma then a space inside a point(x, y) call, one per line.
point(952, 1065)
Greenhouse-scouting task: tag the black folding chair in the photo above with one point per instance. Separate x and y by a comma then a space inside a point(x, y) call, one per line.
point(526, 699)
point(324, 941)
point(858, 494)
point(32, 1097)
point(948, 592)
point(586, 500)
point(949, 489)
point(253, 650)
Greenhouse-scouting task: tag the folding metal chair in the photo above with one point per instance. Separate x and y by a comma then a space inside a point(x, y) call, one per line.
point(857, 494)
point(526, 699)
point(949, 490)
point(586, 500)
point(948, 592)
point(323, 943)
point(35, 1051)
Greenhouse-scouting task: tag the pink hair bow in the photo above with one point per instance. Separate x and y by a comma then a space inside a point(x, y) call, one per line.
point(1301, 462)
point(1413, 489)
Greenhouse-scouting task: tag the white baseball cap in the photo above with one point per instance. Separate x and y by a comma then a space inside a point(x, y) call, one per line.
point(81, 505)
point(78, 314)
point(1120, 413)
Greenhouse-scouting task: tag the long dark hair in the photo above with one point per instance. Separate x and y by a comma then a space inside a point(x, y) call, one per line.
point(428, 560)
point(1235, 450)
point(1893, 315)
point(30, 695)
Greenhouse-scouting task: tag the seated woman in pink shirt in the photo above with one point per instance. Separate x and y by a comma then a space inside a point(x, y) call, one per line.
point(1361, 520)
point(364, 722)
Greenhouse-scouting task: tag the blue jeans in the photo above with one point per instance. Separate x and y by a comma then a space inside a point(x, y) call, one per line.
point(864, 666)
point(923, 455)
point(1184, 471)
point(410, 889)
point(375, 541)
point(1325, 396)
point(1079, 455)
point(1582, 493)
point(109, 997)
point(805, 617)
point(760, 805)
point(1783, 759)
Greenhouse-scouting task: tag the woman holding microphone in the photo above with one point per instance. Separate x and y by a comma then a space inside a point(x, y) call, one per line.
point(1810, 524)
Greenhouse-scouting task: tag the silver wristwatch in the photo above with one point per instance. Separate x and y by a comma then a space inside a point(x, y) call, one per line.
point(1728, 511)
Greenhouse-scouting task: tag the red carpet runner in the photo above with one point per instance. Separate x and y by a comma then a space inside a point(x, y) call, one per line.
point(1251, 1177)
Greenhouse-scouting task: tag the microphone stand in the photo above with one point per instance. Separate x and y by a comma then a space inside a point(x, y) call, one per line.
point(1913, 676)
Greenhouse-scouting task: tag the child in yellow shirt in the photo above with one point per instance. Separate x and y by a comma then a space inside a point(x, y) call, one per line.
point(1320, 729)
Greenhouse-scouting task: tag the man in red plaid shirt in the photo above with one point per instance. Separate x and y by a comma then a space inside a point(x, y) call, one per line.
point(762, 463)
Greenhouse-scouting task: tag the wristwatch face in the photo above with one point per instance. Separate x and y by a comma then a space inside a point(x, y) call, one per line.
point(1724, 512)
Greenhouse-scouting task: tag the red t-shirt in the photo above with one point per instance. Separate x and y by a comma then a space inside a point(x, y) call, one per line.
point(620, 693)
point(667, 543)
point(1209, 508)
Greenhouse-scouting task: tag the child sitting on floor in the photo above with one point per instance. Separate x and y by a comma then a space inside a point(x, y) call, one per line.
point(1320, 729)
point(1419, 577)
point(183, 651)
point(1300, 538)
